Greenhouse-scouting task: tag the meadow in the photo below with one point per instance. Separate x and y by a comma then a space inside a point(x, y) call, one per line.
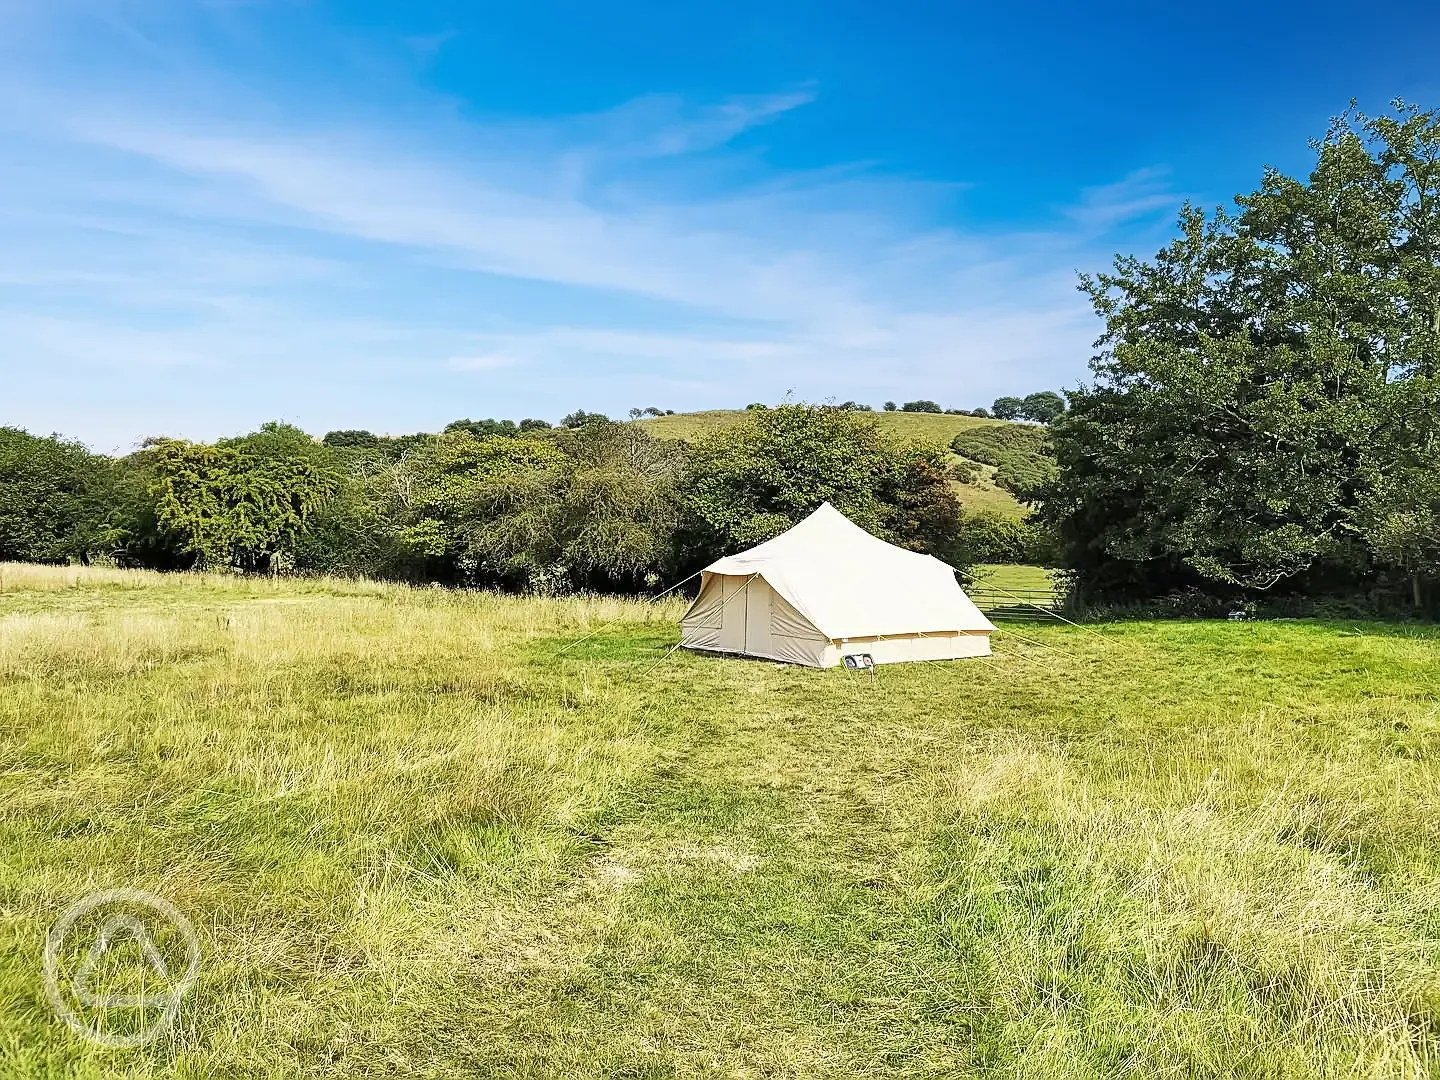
point(427, 833)
point(937, 428)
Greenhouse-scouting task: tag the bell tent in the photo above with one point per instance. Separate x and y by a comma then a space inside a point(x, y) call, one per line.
point(826, 589)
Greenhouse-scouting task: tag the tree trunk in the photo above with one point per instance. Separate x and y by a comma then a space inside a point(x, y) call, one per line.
point(1415, 589)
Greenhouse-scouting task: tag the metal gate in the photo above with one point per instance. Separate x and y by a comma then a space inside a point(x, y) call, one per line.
point(1015, 604)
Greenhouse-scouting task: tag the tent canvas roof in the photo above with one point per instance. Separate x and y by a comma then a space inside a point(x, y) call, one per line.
point(851, 584)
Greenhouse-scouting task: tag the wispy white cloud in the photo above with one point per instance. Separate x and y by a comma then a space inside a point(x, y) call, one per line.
point(664, 125)
point(1144, 193)
point(325, 264)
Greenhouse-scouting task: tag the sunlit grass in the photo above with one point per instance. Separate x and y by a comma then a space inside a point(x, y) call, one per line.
point(1010, 577)
point(937, 428)
point(428, 833)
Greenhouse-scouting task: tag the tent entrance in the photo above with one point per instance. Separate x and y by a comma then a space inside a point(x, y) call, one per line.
point(757, 617)
point(731, 614)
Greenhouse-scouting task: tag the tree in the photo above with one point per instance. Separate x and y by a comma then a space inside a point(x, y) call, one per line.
point(921, 406)
point(986, 536)
point(353, 439)
point(1008, 408)
point(1254, 382)
point(54, 499)
point(1399, 508)
point(1042, 407)
point(754, 480)
point(232, 507)
point(601, 514)
point(579, 418)
point(483, 428)
point(426, 506)
point(890, 406)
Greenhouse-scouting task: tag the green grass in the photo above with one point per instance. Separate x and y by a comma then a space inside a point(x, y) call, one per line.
point(417, 838)
point(1017, 578)
point(937, 429)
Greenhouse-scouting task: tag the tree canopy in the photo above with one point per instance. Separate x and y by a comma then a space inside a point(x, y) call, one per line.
point(1263, 411)
point(753, 481)
point(54, 497)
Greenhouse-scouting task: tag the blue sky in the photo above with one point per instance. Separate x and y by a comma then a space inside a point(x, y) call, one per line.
point(392, 215)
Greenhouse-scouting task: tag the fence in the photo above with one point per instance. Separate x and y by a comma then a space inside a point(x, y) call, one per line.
point(1015, 604)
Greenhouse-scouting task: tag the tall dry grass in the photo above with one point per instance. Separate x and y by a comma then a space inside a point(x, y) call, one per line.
point(419, 836)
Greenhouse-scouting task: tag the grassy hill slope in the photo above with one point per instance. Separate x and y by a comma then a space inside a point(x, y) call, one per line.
point(415, 838)
point(935, 428)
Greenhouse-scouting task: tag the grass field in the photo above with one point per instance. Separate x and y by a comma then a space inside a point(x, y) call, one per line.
point(1018, 578)
point(417, 838)
point(938, 428)
point(935, 428)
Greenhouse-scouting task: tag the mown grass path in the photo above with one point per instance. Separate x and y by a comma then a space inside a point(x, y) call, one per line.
point(420, 839)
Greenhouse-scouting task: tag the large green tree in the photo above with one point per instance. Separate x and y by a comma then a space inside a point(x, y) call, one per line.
point(54, 499)
point(236, 506)
point(602, 514)
point(1248, 385)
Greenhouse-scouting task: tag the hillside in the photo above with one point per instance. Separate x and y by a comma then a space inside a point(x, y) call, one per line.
point(936, 428)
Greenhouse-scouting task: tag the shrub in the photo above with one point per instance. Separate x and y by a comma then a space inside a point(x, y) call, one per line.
point(1020, 453)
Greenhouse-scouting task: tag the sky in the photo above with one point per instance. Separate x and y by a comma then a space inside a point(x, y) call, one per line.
point(393, 215)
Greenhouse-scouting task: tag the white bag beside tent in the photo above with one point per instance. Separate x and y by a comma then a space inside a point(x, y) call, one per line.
point(826, 589)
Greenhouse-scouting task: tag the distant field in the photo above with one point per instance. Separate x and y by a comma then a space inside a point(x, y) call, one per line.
point(936, 429)
point(434, 834)
point(1019, 578)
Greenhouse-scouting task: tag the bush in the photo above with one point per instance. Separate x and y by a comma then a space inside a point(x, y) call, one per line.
point(920, 406)
point(1021, 455)
point(965, 471)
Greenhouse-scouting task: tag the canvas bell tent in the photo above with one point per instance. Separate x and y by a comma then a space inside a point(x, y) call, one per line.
point(826, 589)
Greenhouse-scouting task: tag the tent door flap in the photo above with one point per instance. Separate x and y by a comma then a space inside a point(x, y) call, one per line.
point(757, 617)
